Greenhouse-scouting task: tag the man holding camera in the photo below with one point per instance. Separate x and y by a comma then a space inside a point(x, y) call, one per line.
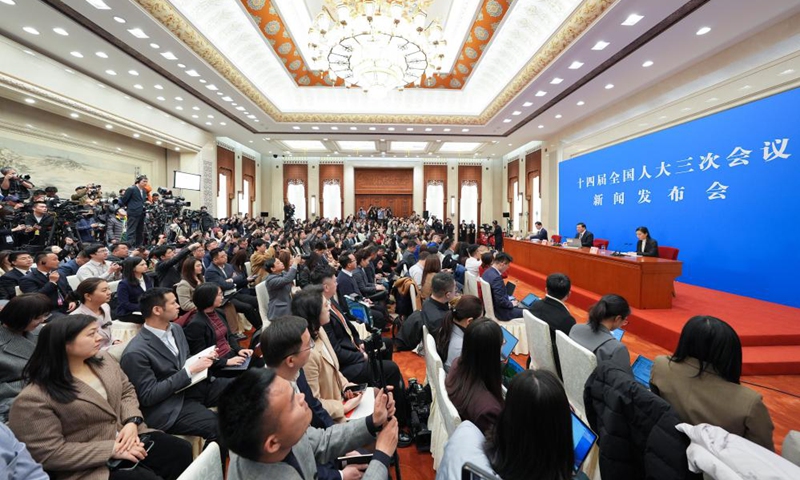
point(12, 184)
point(133, 201)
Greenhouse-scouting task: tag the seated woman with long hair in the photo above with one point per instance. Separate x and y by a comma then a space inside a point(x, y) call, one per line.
point(609, 313)
point(486, 263)
point(450, 337)
point(133, 284)
point(701, 381)
point(20, 322)
point(432, 266)
point(474, 383)
point(94, 295)
point(79, 411)
point(208, 328)
point(322, 369)
point(531, 440)
point(191, 277)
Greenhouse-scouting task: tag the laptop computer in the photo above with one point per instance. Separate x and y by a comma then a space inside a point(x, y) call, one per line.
point(360, 311)
point(241, 367)
point(573, 243)
point(509, 342)
point(583, 438)
point(642, 367)
point(618, 333)
point(529, 300)
point(510, 370)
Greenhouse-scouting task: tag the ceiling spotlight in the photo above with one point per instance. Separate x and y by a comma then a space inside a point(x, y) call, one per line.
point(556, 81)
point(109, 126)
point(180, 99)
point(133, 72)
point(119, 19)
point(222, 123)
point(409, 129)
point(353, 128)
point(609, 86)
point(136, 135)
point(600, 45)
point(178, 108)
point(558, 116)
point(210, 116)
point(192, 73)
point(74, 115)
point(111, 72)
point(158, 142)
point(8, 2)
point(372, 129)
point(295, 127)
point(541, 93)
point(101, 54)
point(315, 128)
point(138, 87)
point(30, 101)
point(703, 31)
point(158, 87)
point(155, 45)
point(648, 63)
point(31, 30)
point(177, 149)
point(581, 103)
point(446, 130)
point(160, 99)
point(61, 31)
point(465, 130)
point(76, 54)
point(208, 123)
point(138, 33)
point(575, 65)
point(527, 104)
point(516, 112)
point(212, 87)
point(169, 55)
point(195, 116)
point(632, 20)
point(541, 126)
point(98, 4)
point(428, 129)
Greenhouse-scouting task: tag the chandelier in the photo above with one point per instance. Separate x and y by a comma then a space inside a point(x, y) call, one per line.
point(377, 45)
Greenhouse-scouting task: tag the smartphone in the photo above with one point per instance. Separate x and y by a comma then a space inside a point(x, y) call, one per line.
point(342, 462)
point(356, 388)
point(119, 464)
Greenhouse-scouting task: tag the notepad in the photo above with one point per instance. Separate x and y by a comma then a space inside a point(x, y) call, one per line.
point(365, 408)
point(201, 375)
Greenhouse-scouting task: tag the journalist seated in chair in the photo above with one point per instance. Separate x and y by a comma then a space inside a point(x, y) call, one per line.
point(432, 266)
point(284, 446)
point(504, 309)
point(609, 313)
point(20, 323)
point(531, 440)
point(450, 337)
point(79, 411)
point(701, 380)
point(94, 295)
point(221, 273)
point(646, 245)
point(322, 368)
point(133, 284)
point(191, 278)
point(474, 383)
point(553, 310)
point(208, 328)
point(44, 278)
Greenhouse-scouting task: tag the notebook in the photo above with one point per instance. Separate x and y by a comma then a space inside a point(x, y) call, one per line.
point(529, 300)
point(583, 439)
point(618, 333)
point(509, 342)
point(202, 375)
point(642, 367)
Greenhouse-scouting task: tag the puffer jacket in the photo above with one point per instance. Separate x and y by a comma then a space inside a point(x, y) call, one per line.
point(636, 429)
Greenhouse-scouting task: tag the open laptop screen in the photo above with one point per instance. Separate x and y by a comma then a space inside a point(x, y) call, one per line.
point(509, 342)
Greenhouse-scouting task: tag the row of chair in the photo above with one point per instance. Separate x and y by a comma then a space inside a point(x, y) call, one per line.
point(443, 418)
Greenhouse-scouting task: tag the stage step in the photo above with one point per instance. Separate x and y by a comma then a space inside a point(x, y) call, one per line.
point(781, 360)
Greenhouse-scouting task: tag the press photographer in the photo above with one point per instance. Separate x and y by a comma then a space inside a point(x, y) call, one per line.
point(14, 184)
point(38, 225)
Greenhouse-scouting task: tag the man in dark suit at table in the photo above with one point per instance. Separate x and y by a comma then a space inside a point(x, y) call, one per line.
point(45, 279)
point(553, 311)
point(585, 236)
point(504, 308)
point(646, 246)
point(540, 233)
point(133, 201)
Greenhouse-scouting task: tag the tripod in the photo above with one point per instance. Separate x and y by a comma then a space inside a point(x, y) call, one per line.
point(373, 346)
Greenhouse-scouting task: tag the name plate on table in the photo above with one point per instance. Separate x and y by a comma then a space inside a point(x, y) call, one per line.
point(594, 250)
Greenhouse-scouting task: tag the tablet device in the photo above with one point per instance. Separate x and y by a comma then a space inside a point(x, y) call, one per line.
point(510, 370)
point(618, 333)
point(529, 300)
point(471, 472)
point(510, 288)
point(583, 439)
point(509, 342)
point(642, 367)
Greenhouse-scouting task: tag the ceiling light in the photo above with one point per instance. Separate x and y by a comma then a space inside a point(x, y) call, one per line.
point(155, 45)
point(580, 103)
point(372, 129)
point(391, 129)
point(787, 72)
point(295, 127)
point(98, 4)
point(61, 31)
point(662, 117)
point(609, 86)
point(74, 115)
point(632, 20)
point(541, 126)
point(76, 54)
point(507, 120)
point(703, 31)
point(686, 109)
point(101, 85)
point(160, 98)
point(527, 104)
point(446, 129)
point(109, 126)
point(465, 130)
point(353, 128)
point(31, 30)
point(178, 108)
point(177, 149)
point(210, 116)
point(600, 45)
point(158, 142)
point(516, 112)
point(428, 129)
point(133, 72)
point(180, 65)
point(111, 72)
point(575, 65)
point(558, 116)
point(192, 73)
point(208, 123)
point(314, 128)
point(712, 99)
point(138, 33)
point(180, 99)
point(136, 135)
point(648, 63)
point(222, 123)
point(541, 93)
point(195, 116)
point(8, 2)
point(119, 19)
point(510, 144)
point(212, 87)
point(138, 87)
point(69, 71)
point(30, 101)
point(324, 139)
point(101, 54)
point(158, 87)
point(169, 55)
point(202, 80)
point(556, 81)
point(240, 108)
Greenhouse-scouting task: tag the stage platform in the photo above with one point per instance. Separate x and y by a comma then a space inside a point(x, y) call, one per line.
point(770, 333)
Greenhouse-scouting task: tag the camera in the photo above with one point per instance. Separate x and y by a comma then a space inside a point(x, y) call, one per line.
point(419, 403)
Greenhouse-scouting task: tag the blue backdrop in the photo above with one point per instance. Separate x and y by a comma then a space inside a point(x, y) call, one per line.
point(724, 189)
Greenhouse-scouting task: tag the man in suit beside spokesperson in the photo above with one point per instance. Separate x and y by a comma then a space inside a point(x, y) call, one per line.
point(133, 201)
point(285, 446)
point(504, 308)
point(155, 363)
point(585, 236)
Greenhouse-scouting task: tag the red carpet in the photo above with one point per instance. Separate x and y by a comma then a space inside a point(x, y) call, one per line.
point(770, 333)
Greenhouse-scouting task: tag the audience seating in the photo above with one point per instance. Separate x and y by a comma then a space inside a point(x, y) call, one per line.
point(113, 286)
point(556, 238)
point(73, 282)
point(540, 344)
point(791, 447)
point(412, 292)
point(433, 366)
point(470, 284)
point(515, 326)
point(600, 243)
point(248, 268)
point(577, 363)
point(449, 419)
point(206, 466)
point(124, 331)
point(433, 362)
point(262, 295)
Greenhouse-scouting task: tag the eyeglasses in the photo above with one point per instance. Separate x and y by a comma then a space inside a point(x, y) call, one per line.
point(310, 347)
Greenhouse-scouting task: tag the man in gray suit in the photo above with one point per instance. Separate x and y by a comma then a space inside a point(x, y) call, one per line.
point(155, 363)
point(285, 446)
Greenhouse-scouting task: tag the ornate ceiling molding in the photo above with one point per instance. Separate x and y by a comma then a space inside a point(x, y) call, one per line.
point(570, 30)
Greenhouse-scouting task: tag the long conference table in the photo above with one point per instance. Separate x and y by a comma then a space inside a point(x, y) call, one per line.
point(645, 282)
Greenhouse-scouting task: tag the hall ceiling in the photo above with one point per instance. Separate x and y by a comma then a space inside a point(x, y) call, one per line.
point(518, 70)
